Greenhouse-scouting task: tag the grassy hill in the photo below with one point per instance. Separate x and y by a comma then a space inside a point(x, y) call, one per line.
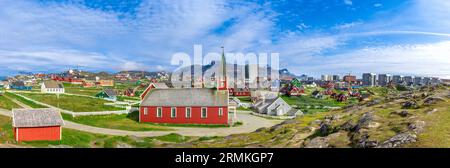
point(392, 118)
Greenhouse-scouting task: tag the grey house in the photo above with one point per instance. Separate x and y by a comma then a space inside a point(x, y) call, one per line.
point(275, 107)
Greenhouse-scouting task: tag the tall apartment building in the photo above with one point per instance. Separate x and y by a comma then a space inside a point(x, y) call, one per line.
point(369, 79)
point(417, 81)
point(397, 79)
point(426, 80)
point(384, 79)
point(327, 77)
point(336, 78)
point(408, 80)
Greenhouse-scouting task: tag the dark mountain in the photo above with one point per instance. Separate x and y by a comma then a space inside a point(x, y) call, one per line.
point(285, 73)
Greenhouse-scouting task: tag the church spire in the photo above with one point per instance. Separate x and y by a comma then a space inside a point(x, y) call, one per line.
point(223, 68)
point(224, 64)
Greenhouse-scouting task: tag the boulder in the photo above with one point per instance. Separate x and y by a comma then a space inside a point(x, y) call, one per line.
point(417, 126)
point(325, 128)
point(366, 142)
point(403, 113)
point(365, 120)
point(432, 100)
point(374, 102)
point(398, 140)
point(348, 126)
point(318, 142)
point(409, 105)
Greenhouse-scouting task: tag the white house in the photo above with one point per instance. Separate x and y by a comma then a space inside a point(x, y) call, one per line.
point(275, 107)
point(52, 87)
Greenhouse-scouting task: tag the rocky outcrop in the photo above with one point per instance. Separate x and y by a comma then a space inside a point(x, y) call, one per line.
point(410, 105)
point(417, 126)
point(404, 113)
point(348, 126)
point(373, 102)
point(365, 142)
point(398, 140)
point(318, 142)
point(325, 128)
point(432, 100)
point(366, 121)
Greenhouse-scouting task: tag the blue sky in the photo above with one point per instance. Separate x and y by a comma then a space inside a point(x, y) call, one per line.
point(312, 36)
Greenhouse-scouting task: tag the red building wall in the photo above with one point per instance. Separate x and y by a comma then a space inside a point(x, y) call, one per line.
point(38, 133)
point(212, 116)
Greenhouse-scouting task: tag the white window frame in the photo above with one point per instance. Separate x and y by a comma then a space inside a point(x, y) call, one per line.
point(206, 112)
point(190, 112)
point(145, 111)
point(220, 112)
point(171, 112)
point(159, 112)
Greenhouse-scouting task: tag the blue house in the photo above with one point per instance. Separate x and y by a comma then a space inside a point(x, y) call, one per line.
point(19, 85)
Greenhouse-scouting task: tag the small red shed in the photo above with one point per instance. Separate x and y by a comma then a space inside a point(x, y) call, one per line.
point(37, 124)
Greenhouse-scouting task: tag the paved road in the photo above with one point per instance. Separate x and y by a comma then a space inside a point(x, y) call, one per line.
point(250, 124)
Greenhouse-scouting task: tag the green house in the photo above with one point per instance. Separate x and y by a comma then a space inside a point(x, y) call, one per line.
point(107, 94)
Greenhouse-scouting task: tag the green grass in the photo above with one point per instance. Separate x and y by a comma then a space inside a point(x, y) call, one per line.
point(73, 103)
point(6, 134)
point(80, 139)
point(245, 99)
point(176, 138)
point(115, 121)
point(130, 122)
point(82, 91)
point(437, 130)
point(7, 104)
point(123, 98)
point(308, 104)
point(24, 101)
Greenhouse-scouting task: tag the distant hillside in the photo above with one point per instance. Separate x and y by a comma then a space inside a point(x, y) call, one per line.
point(390, 119)
point(231, 68)
point(285, 73)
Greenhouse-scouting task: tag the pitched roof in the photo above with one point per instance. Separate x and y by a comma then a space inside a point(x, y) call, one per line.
point(53, 84)
point(110, 92)
point(262, 104)
point(160, 85)
point(36, 117)
point(186, 97)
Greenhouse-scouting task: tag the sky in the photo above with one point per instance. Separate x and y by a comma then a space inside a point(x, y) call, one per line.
point(313, 37)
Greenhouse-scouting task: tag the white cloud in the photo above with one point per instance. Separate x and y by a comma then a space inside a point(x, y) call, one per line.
point(425, 59)
point(348, 25)
point(377, 5)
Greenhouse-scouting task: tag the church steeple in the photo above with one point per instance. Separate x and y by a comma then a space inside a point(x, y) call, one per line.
point(223, 68)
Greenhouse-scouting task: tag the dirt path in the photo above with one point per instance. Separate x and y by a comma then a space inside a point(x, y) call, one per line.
point(250, 124)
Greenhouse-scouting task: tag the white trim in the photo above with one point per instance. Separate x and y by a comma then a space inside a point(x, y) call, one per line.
point(201, 112)
point(60, 133)
point(17, 134)
point(140, 114)
point(220, 112)
point(145, 111)
point(190, 112)
point(171, 112)
point(157, 109)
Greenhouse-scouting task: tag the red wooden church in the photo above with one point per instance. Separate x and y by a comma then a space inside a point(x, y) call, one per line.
point(37, 124)
point(187, 105)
